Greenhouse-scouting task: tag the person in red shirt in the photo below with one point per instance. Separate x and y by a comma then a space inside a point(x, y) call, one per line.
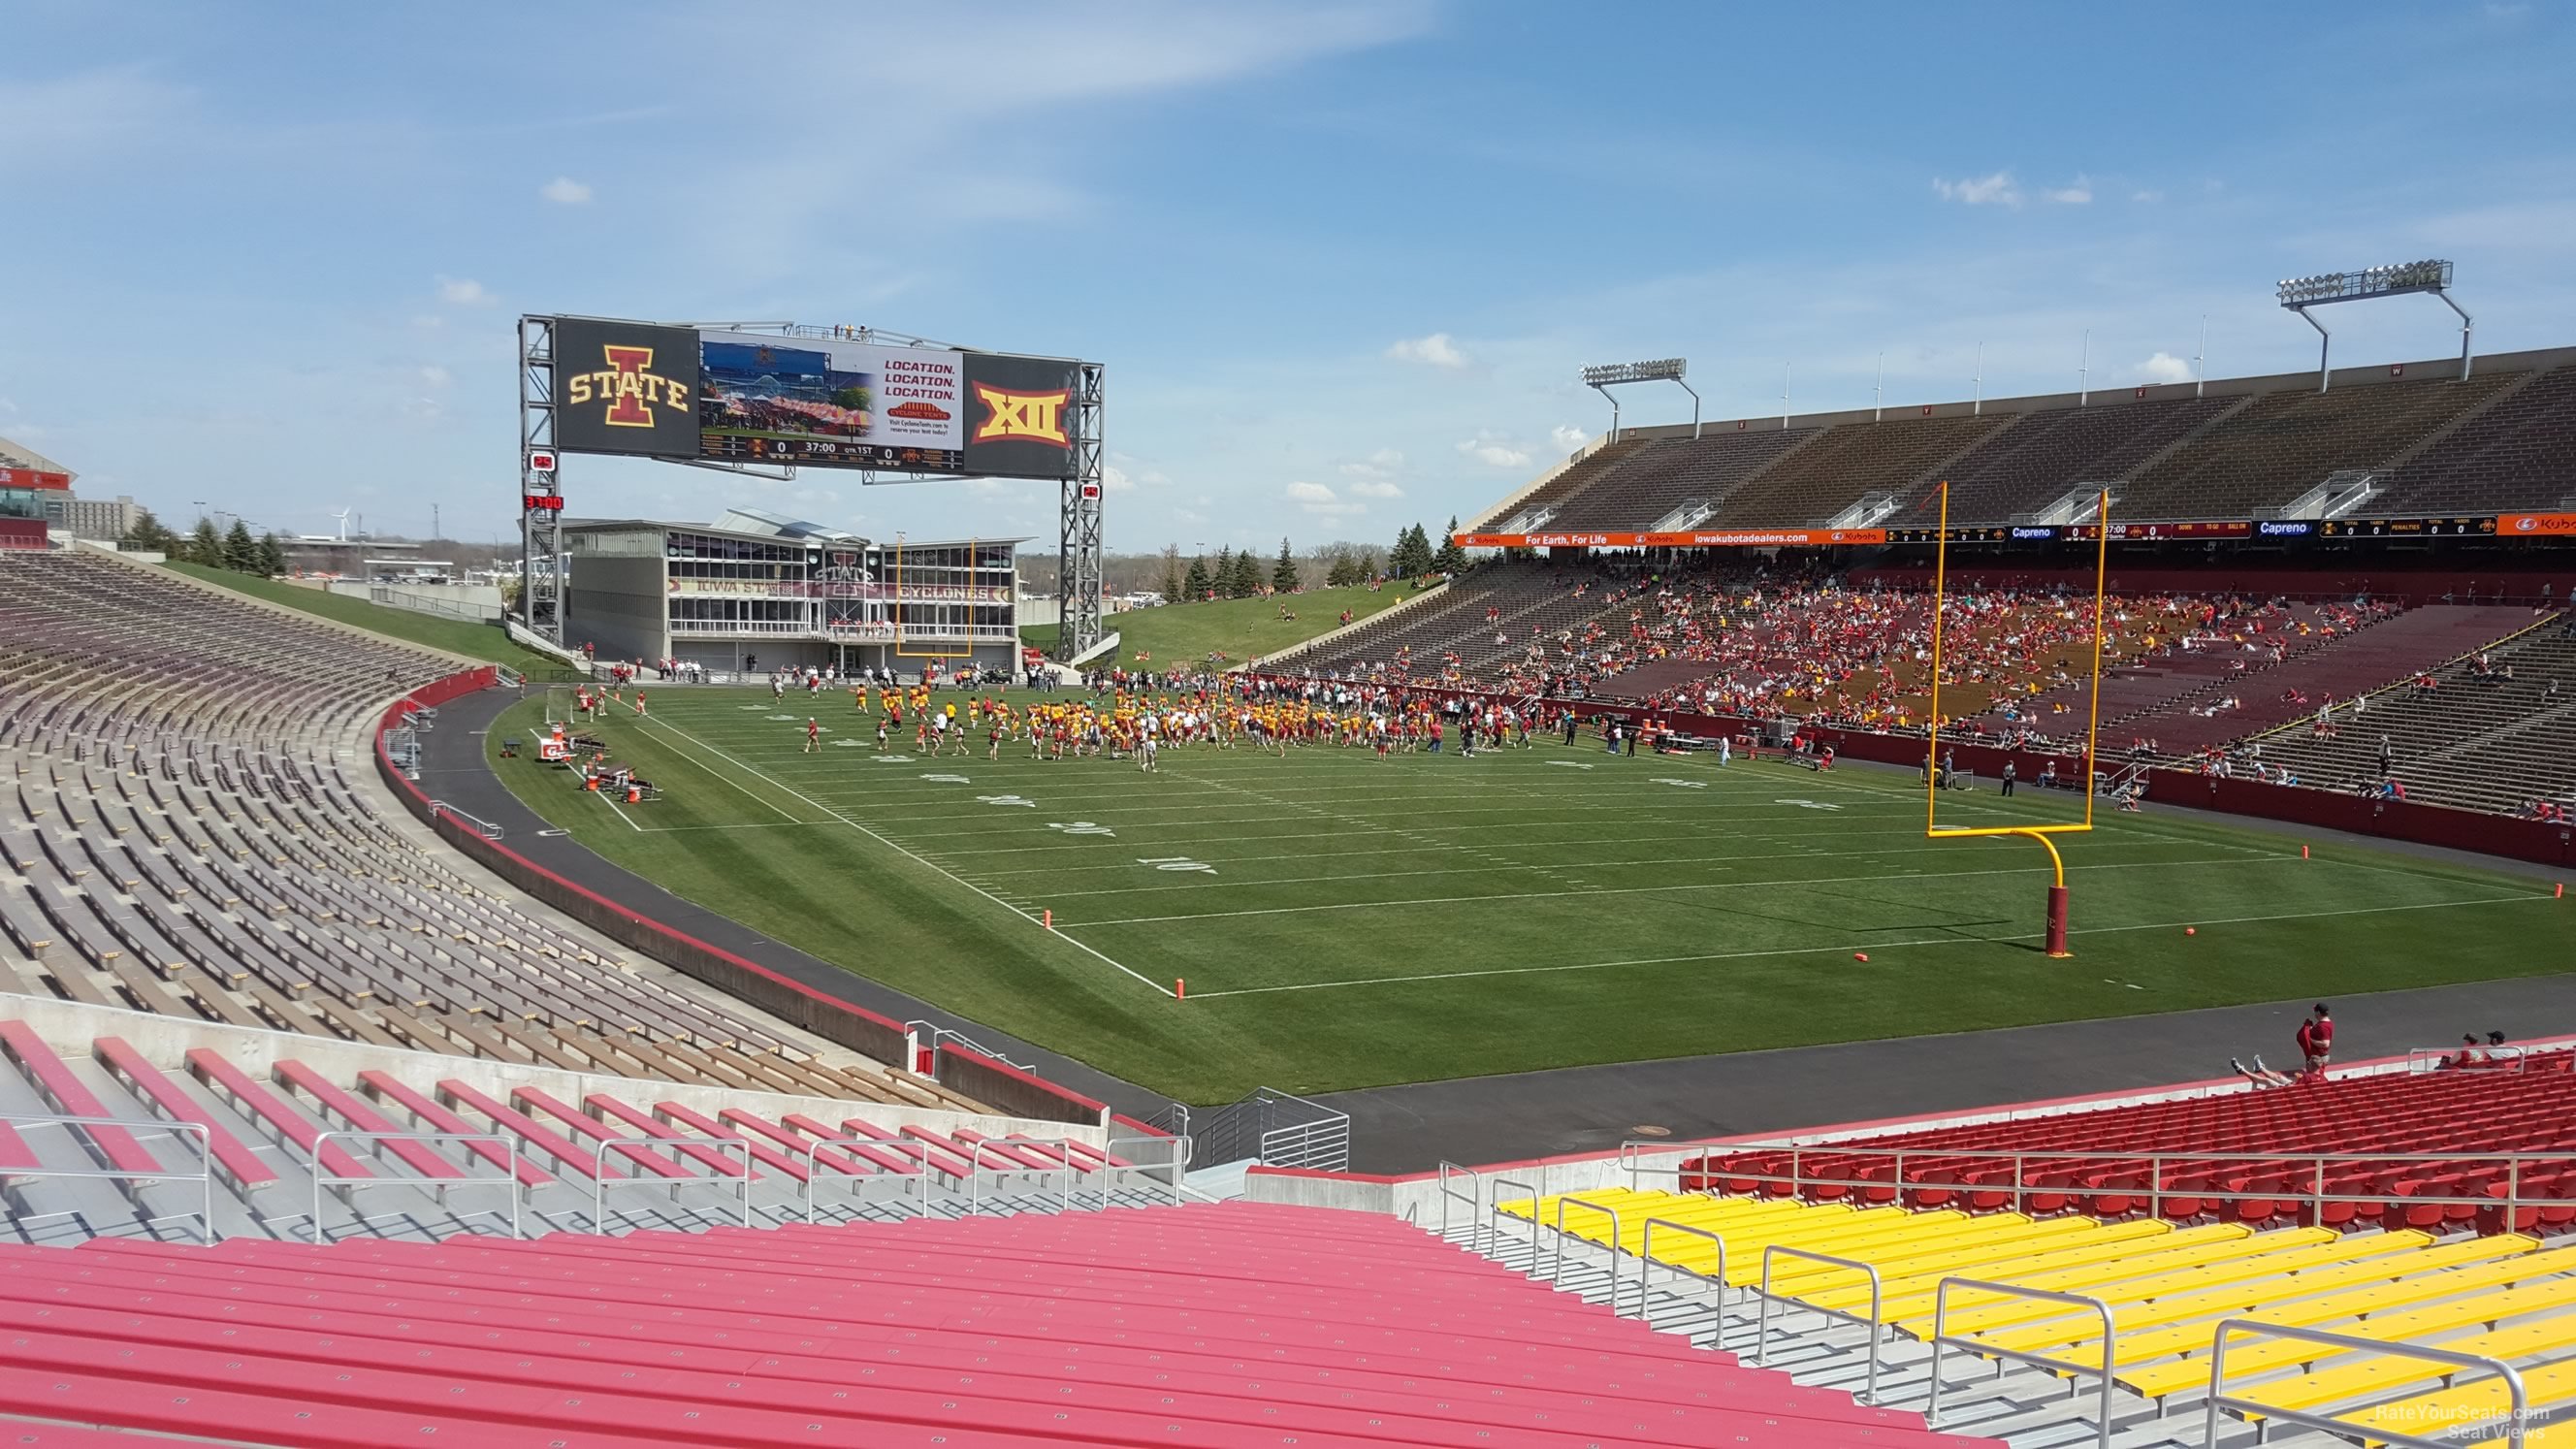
point(813, 735)
point(2316, 1039)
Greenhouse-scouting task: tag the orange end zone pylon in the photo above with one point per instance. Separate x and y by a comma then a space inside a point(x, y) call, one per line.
point(1932, 826)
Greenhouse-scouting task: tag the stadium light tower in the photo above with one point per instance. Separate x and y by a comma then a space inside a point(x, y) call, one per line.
point(1666, 369)
point(2298, 294)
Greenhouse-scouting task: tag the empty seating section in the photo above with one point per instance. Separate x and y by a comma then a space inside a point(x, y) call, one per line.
point(265, 1124)
point(2279, 445)
point(2455, 1143)
point(179, 834)
point(1814, 483)
point(1544, 501)
point(2336, 666)
point(2519, 454)
point(2438, 445)
point(2166, 1287)
point(1644, 489)
point(1219, 1325)
point(2046, 455)
point(2493, 732)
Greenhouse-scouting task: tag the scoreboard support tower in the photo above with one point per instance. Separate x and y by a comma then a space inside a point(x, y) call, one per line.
point(540, 496)
point(1078, 564)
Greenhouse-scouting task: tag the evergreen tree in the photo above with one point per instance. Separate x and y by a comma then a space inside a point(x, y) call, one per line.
point(1344, 572)
point(1412, 555)
point(1195, 586)
point(150, 533)
point(272, 555)
point(1283, 575)
point(1221, 577)
point(205, 546)
point(1171, 573)
point(1247, 575)
point(1449, 558)
point(241, 551)
point(1365, 564)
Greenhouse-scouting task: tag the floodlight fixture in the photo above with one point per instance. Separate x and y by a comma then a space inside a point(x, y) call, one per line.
point(1606, 376)
point(2431, 275)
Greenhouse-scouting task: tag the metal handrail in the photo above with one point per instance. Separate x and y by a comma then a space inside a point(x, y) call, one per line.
point(939, 1036)
point(1179, 1165)
point(1941, 1338)
point(920, 1152)
point(489, 830)
point(600, 1182)
point(2156, 1189)
point(2220, 1399)
point(1535, 1195)
point(1875, 1322)
point(1478, 1225)
point(975, 1152)
point(321, 1179)
point(1646, 1259)
point(1612, 1214)
point(204, 1176)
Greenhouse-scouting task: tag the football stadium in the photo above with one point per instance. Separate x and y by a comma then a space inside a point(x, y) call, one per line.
point(2033, 919)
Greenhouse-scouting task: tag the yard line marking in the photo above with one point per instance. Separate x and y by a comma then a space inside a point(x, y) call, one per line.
point(1861, 946)
point(1646, 890)
point(613, 805)
point(755, 825)
point(1495, 863)
point(714, 773)
point(1023, 914)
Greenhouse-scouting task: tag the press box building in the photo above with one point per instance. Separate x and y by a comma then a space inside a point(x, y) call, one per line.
point(752, 591)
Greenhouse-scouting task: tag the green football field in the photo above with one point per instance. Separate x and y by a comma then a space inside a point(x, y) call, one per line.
point(1343, 921)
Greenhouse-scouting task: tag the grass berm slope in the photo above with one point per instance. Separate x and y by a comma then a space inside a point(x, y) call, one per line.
point(1176, 635)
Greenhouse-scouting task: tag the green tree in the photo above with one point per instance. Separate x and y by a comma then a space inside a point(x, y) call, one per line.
point(241, 551)
point(205, 546)
point(1221, 577)
point(1246, 582)
point(1344, 571)
point(272, 555)
point(1449, 558)
point(150, 533)
point(1195, 586)
point(1171, 573)
point(1412, 555)
point(1283, 575)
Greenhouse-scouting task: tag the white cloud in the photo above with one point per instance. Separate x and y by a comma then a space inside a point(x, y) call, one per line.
point(1998, 189)
point(1567, 437)
point(564, 191)
point(463, 292)
point(1379, 467)
point(1436, 350)
point(2146, 198)
point(1115, 479)
point(1369, 488)
point(2079, 192)
point(434, 375)
point(1321, 501)
point(1494, 452)
point(2162, 367)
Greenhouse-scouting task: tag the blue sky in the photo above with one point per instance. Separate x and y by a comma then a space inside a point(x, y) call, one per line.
point(1342, 262)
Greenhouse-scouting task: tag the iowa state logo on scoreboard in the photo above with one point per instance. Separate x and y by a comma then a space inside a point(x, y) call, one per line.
point(622, 387)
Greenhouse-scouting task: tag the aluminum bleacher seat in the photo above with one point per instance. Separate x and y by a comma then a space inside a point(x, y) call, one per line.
point(2270, 449)
point(222, 869)
point(1217, 1325)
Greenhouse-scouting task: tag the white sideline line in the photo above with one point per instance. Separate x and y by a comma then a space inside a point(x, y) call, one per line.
point(1084, 947)
point(613, 805)
point(1856, 946)
point(1666, 890)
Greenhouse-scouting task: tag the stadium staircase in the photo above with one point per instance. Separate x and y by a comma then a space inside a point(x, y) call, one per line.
point(2076, 1317)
